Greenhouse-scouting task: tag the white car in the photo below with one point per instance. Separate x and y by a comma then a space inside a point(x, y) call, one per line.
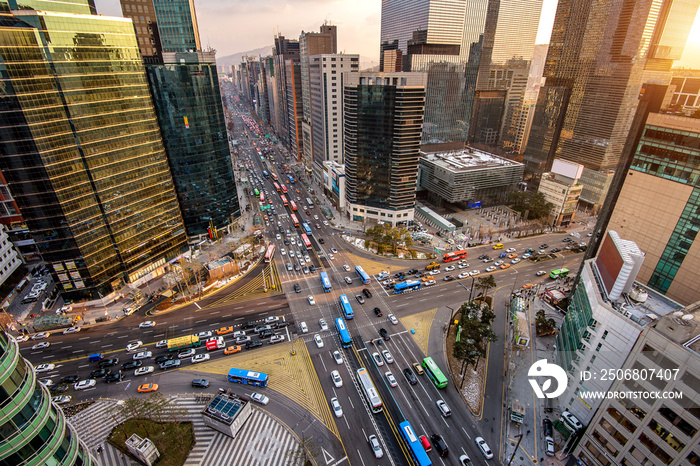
point(299, 254)
point(61, 399)
point(463, 275)
point(540, 273)
point(243, 339)
point(259, 398)
point(337, 380)
point(474, 273)
point(376, 447)
point(83, 384)
point(515, 261)
point(271, 319)
point(134, 345)
point(304, 328)
point(21, 338)
point(318, 340)
point(387, 355)
point(434, 272)
point(162, 344)
point(312, 301)
point(571, 421)
point(200, 358)
point(42, 345)
point(337, 356)
point(498, 263)
point(462, 265)
point(238, 333)
point(143, 355)
point(276, 339)
point(549, 446)
point(465, 461)
point(147, 324)
point(45, 367)
point(40, 336)
point(346, 267)
point(334, 250)
point(481, 443)
point(526, 255)
point(315, 217)
point(46, 382)
point(325, 222)
point(278, 237)
point(283, 252)
point(188, 353)
point(348, 280)
point(377, 359)
point(509, 250)
point(491, 268)
point(143, 370)
point(393, 319)
point(323, 324)
point(71, 330)
point(391, 379)
point(204, 335)
point(444, 409)
point(337, 410)
point(331, 257)
point(449, 268)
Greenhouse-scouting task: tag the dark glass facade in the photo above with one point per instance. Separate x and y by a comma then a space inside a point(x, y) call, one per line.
point(81, 150)
point(188, 102)
point(33, 431)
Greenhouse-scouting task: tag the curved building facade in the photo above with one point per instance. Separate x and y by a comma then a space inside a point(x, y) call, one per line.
point(33, 431)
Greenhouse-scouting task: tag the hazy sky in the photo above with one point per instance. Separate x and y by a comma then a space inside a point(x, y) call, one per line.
point(232, 26)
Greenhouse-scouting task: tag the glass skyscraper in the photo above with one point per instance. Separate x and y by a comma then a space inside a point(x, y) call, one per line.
point(34, 431)
point(81, 148)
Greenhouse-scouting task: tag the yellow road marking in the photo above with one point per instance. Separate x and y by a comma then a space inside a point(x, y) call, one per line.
point(421, 323)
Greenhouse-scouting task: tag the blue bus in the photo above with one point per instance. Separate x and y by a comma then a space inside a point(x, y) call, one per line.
point(409, 437)
point(265, 173)
point(259, 379)
point(307, 228)
point(343, 333)
point(325, 282)
point(407, 285)
point(364, 278)
point(345, 306)
point(291, 179)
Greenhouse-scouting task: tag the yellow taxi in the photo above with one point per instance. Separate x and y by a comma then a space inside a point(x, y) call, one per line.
point(148, 387)
point(232, 349)
point(512, 255)
point(505, 266)
point(527, 286)
point(498, 246)
point(224, 330)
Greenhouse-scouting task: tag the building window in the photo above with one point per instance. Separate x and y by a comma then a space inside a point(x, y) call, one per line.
point(655, 449)
point(666, 436)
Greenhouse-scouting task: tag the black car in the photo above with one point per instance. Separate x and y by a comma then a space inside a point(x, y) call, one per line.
point(530, 250)
point(397, 275)
point(297, 288)
point(61, 388)
point(439, 445)
point(266, 334)
point(366, 292)
point(281, 324)
point(482, 257)
point(412, 271)
point(378, 312)
point(321, 240)
point(544, 246)
point(116, 377)
point(547, 427)
point(281, 230)
point(170, 364)
point(200, 383)
point(312, 268)
point(131, 365)
point(296, 267)
point(163, 358)
point(419, 274)
point(108, 362)
point(408, 373)
point(286, 242)
point(70, 379)
point(99, 373)
point(555, 249)
point(384, 334)
point(248, 325)
point(253, 344)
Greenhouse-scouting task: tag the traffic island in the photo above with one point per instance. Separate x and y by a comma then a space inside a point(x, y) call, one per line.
point(469, 382)
point(173, 440)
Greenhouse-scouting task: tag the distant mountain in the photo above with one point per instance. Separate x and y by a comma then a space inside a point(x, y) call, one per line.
point(235, 59)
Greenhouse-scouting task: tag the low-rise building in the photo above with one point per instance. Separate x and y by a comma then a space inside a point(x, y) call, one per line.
point(334, 183)
point(562, 188)
point(227, 413)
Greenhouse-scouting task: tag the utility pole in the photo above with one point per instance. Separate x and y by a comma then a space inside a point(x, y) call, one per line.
point(520, 438)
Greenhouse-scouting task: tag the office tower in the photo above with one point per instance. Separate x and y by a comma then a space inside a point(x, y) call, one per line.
point(645, 429)
point(34, 430)
point(599, 56)
point(607, 311)
point(383, 118)
point(686, 95)
point(288, 99)
point(185, 88)
point(81, 148)
point(326, 75)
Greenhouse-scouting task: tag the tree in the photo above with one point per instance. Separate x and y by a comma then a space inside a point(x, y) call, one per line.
point(485, 284)
point(543, 325)
point(533, 205)
point(306, 450)
point(476, 333)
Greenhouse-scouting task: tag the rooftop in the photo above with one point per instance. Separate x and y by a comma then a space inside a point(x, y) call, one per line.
point(683, 327)
point(467, 159)
point(224, 407)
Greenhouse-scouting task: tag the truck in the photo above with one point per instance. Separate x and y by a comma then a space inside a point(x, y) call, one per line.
point(189, 341)
point(432, 266)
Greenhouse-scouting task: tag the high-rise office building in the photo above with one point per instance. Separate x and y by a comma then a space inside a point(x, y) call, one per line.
point(289, 111)
point(383, 119)
point(599, 56)
point(185, 88)
point(34, 430)
point(326, 75)
point(81, 148)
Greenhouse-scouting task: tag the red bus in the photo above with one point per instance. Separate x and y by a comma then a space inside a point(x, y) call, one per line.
point(284, 200)
point(274, 177)
point(284, 189)
point(262, 197)
point(305, 240)
point(270, 253)
point(294, 219)
point(277, 187)
point(454, 256)
point(293, 205)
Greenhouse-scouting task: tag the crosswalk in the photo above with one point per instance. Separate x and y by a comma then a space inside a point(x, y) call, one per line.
point(261, 441)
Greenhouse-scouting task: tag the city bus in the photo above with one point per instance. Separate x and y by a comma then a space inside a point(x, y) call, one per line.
point(284, 189)
point(325, 282)
point(364, 278)
point(277, 187)
point(262, 197)
point(558, 273)
point(343, 334)
point(259, 379)
point(407, 285)
point(265, 173)
point(420, 457)
point(345, 307)
point(305, 240)
point(293, 205)
point(295, 221)
point(434, 373)
point(291, 179)
point(274, 176)
point(284, 200)
point(270, 253)
point(373, 400)
point(307, 228)
point(454, 256)
point(309, 202)
point(257, 193)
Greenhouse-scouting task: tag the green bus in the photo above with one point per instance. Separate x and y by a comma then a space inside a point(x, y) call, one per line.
point(434, 373)
point(558, 273)
point(257, 193)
